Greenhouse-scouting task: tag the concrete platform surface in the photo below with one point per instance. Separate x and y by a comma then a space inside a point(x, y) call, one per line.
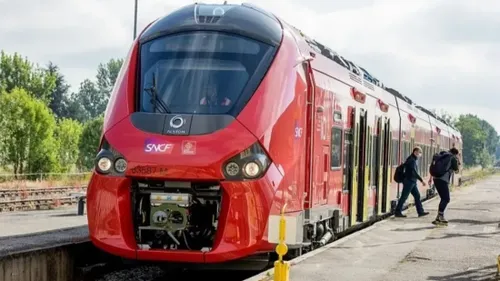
point(29, 222)
point(42, 240)
point(414, 249)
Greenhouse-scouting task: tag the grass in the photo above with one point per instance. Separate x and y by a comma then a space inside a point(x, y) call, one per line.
point(53, 180)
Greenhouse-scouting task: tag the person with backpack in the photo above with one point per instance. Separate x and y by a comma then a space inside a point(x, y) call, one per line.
point(441, 167)
point(407, 173)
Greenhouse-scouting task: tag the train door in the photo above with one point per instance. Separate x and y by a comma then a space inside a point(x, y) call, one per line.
point(317, 151)
point(362, 196)
point(321, 148)
point(347, 177)
point(386, 164)
point(350, 164)
point(378, 167)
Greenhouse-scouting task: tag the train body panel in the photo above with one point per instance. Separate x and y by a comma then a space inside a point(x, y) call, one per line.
point(221, 116)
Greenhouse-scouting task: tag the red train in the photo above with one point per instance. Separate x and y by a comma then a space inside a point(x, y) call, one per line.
point(221, 115)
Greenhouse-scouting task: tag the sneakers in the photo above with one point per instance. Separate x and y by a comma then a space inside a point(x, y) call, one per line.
point(423, 214)
point(441, 219)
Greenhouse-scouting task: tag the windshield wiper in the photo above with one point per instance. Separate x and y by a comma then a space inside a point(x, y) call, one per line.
point(155, 100)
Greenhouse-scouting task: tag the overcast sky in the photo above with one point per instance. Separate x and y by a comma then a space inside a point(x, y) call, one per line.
point(443, 54)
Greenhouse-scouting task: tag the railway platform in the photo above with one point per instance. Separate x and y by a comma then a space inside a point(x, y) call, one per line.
point(31, 222)
point(414, 249)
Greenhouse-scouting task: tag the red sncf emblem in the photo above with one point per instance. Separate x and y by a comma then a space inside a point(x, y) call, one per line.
point(189, 147)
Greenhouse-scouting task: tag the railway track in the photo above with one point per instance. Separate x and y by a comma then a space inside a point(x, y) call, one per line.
point(23, 199)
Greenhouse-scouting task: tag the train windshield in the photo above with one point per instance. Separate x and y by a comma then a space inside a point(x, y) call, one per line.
point(199, 72)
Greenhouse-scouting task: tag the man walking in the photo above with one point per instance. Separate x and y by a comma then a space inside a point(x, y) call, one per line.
point(410, 184)
point(441, 168)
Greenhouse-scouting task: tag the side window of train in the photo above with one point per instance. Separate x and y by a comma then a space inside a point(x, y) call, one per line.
point(403, 150)
point(336, 148)
point(427, 160)
point(424, 160)
point(395, 151)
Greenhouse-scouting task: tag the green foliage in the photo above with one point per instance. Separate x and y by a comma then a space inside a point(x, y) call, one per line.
point(27, 134)
point(16, 72)
point(480, 140)
point(92, 97)
point(485, 159)
point(43, 127)
point(59, 96)
point(89, 142)
point(107, 75)
point(90, 103)
point(68, 135)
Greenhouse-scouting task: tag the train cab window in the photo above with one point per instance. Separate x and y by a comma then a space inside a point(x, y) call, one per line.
point(199, 72)
point(336, 148)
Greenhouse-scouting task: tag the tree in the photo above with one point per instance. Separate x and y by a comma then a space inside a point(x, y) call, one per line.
point(92, 97)
point(27, 134)
point(107, 75)
point(492, 139)
point(59, 98)
point(486, 160)
point(87, 103)
point(497, 152)
point(480, 140)
point(68, 136)
point(16, 72)
point(89, 142)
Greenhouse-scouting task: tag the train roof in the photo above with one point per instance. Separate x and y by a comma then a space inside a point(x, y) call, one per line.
point(254, 22)
point(245, 19)
point(362, 73)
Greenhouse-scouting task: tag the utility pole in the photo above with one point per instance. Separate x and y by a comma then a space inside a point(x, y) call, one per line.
point(135, 19)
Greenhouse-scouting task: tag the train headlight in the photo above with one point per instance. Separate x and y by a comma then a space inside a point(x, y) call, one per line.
point(109, 161)
point(104, 164)
point(121, 165)
point(251, 169)
point(249, 164)
point(232, 169)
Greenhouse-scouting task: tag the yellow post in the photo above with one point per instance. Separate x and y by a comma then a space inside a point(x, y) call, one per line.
point(498, 265)
point(281, 268)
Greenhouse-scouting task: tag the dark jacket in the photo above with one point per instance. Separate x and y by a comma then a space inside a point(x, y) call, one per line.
point(453, 167)
point(411, 169)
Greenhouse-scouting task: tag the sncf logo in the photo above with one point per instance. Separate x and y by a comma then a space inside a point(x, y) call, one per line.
point(157, 146)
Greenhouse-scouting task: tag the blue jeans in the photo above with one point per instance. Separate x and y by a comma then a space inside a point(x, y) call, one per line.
point(409, 187)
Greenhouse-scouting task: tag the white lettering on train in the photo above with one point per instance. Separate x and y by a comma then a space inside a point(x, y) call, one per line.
point(160, 147)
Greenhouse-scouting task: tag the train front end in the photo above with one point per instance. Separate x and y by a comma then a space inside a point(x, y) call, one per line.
point(178, 177)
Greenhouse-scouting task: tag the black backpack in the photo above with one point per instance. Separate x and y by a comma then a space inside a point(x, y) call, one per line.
point(440, 164)
point(399, 174)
